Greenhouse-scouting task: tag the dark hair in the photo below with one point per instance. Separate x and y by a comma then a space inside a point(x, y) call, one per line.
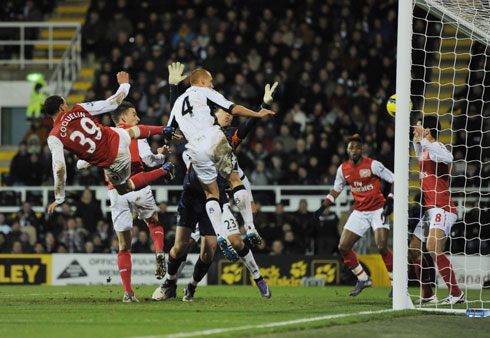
point(354, 138)
point(123, 107)
point(52, 105)
point(432, 122)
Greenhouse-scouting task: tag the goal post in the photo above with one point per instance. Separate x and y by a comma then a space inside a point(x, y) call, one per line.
point(443, 66)
point(402, 129)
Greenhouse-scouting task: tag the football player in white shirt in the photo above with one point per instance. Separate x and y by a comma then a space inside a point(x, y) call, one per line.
point(210, 151)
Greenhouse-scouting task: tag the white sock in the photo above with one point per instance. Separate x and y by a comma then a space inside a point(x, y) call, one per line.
point(242, 201)
point(249, 262)
point(360, 273)
point(171, 277)
point(214, 213)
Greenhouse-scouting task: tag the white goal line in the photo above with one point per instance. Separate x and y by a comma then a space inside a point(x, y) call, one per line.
point(261, 326)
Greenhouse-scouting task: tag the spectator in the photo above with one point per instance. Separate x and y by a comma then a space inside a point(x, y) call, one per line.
point(4, 227)
point(71, 239)
point(277, 248)
point(89, 210)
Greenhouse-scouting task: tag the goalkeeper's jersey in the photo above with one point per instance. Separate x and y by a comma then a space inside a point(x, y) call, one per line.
point(435, 164)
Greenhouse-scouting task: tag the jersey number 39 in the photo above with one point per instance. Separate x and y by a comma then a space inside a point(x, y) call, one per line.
point(90, 128)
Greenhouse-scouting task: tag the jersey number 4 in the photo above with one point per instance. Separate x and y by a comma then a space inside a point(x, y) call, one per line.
point(186, 106)
point(90, 128)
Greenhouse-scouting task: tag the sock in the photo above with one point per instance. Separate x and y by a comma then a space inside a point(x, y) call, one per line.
point(426, 287)
point(182, 264)
point(388, 259)
point(147, 131)
point(213, 210)
point(350, 259)
point(200, 270)
point(446, 271)
point(173, 265)
point(242, 201)
point(142, 179)
point(156, 232)
point(124, 264)
point(248, 259)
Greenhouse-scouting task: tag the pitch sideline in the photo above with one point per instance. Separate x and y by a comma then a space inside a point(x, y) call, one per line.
point(261, 326)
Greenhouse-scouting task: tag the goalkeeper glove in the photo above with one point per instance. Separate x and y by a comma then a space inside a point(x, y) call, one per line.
point(175, 71)
point(387, 208)
point(269, 93)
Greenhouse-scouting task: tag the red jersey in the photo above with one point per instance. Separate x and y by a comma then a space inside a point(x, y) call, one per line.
point(364, 179)
point(80, 133)
point(435, 176)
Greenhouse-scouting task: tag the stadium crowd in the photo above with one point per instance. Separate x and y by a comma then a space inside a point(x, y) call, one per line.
point(335, 64)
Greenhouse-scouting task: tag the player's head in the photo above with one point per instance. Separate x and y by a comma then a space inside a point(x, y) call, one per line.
point(54, 105)
point(354, 148)
point(125, 113)
point(432, 123)
point(201, 78)
point(224, 118)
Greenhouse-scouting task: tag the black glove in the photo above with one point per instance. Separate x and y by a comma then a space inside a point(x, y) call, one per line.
point(168, 133)
point(319, 212)
point(387, 208)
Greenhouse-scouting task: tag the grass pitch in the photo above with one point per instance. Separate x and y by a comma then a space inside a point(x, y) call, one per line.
point(97, 311)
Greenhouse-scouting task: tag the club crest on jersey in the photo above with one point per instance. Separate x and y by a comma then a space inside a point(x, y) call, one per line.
point(365, 172)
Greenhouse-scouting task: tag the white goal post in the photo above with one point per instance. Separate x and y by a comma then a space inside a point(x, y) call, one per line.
point(443, 61)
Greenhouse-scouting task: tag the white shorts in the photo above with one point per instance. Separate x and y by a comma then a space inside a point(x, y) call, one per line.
point(212, 154)
point(437, 218)
point(360, 221)
point(120, 170)
point(123, 207)
point(230, 222)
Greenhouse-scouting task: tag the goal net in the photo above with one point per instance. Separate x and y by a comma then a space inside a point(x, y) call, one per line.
point(450, 78)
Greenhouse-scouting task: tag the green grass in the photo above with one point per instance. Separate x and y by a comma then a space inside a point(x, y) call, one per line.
point(97, 311)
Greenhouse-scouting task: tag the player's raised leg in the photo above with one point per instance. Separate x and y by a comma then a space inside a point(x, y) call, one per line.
point(244, 252)
point(242, 201)
point(347, 241)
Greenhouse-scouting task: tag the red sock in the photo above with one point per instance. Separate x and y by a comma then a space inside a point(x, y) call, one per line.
point(147, 131)
point(125, 265)
point(426, 287)
point(447, 273)
point(388, 259)
point(142, 179)
point(350, 259)
point(157, 235)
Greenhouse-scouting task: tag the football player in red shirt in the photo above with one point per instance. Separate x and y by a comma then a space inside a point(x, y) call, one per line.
point(141, 201)
point(434, 166)
point(79, 131)
point(371, 210)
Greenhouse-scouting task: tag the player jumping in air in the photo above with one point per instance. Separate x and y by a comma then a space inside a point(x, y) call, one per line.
point(78, 131)
point(434, 165)
point(141, 201)
point(210, 151)
point(191, 212)
point(371, 209)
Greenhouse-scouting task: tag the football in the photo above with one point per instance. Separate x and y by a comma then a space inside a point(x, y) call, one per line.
point(391, 105)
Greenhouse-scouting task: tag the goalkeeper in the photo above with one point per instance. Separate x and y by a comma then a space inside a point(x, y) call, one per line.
point(371, 209)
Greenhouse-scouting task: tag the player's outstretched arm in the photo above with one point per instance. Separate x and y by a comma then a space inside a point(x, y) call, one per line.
point(59, 171)
point(242, 111)
point(104, 106)
point(330, 199)
point(176, 73)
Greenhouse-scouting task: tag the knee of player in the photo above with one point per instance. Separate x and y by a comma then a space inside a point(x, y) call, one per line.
point(382, 248)
point(236, 242)
point(207, 256)
point(343, 249)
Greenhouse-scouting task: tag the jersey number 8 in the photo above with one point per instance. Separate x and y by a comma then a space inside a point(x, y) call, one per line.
point(90, 128)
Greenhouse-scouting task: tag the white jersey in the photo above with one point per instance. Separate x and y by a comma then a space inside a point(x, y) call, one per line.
point(193, 111)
